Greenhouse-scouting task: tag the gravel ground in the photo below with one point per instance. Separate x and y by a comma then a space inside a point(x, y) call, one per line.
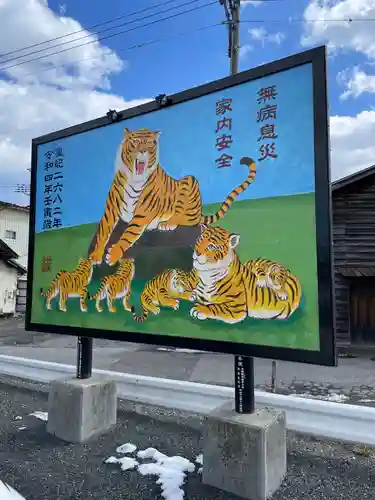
point(42, 467)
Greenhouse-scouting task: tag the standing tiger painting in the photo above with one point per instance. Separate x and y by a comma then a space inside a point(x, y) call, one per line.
point(69, 284)
point(167, 289)
point(116, 286)
point(144, 196)
point(228, 291)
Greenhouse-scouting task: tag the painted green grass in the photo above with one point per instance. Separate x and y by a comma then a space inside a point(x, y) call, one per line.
point(280, 228)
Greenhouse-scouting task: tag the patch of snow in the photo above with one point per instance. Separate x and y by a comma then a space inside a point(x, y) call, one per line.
point(22, 428)
point(366, 401)
point(335, 398)
point(171, 472)
point(126, 448)
point(152, 453)
point(172, 349)
point(126, 463)
point(191, 351)
point(18, 418)
point(200, 470)
point(8, 493)
point(42, 415)
point(169, 479)
point(199, 459)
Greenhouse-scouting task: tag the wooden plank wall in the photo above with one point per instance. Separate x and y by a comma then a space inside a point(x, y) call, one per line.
point(353, 225)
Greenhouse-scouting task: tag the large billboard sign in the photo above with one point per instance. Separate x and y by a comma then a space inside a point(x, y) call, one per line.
point(199, 221)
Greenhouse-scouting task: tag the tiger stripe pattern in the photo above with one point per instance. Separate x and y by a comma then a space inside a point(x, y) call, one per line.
point(166, 290)
point(69, 284)
point(145, 197)
point(116, 286)
point(227, 290)
point(270, 273)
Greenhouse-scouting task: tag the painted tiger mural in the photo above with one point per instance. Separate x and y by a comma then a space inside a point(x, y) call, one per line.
point(227, 290)
point(68, 284)
point(116, 286)
point(143, 195)
point(166, 289)
point(271, 274)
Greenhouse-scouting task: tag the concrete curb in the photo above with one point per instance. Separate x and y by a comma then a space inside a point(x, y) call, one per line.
point(187, 403)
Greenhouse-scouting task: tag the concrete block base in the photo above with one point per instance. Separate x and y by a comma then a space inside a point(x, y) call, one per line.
point(244, 454)
point(79, 409)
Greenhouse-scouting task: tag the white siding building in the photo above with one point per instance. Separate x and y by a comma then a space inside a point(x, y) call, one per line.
point(10, 273)
point(14, 242)
point(14, 229)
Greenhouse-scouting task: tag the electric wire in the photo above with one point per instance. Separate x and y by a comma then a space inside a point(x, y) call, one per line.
point(103, 23)
point(113, 34)
point(130, 48)
point(89, 28)
point(89, 35)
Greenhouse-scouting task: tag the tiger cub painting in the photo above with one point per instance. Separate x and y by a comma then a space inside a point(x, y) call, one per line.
point(143, 195)
point(116, 286)
point(70, 284)
point(166, 289)
point(227, 290)
point(271, 274)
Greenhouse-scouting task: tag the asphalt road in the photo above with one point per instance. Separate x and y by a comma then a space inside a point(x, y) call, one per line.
point(353, 381)
point(42, 467)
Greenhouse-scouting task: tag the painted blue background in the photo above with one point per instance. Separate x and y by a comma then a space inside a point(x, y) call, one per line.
point(188, 146)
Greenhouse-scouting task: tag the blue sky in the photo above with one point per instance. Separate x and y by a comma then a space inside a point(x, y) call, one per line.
point(36, 100)
point(182, 62)
point(188, 146)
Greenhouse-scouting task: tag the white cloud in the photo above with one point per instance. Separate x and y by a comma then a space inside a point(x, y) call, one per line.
point(352, 137)
point(62, 9)
point(338, 31)
point(245, 49)
point(247, 3)
point(356, 82)
point(261, 35)
point(33, 101)
point(35, 23)
point(352, 143)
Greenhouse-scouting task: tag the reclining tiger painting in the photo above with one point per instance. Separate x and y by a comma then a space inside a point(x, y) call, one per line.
point(228, 290)
point(144, 196)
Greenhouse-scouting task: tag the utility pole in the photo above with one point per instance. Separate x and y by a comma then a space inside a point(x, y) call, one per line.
point(232, 13)
point(244, 376)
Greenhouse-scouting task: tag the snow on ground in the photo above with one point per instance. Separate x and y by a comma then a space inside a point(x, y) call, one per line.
point(126, 463)
point(199, 460)
point(126, 448)
point(18, 418)
point(8, 493)
point(42, 415)
point(172, 349)
point(22, 428)
point(335, 398)
point(171, 472)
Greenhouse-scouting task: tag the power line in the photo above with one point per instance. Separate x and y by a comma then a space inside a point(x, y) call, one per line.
point(136, 46)
point(89, 35)
point(302, 20)
point(161, 39)
point(103, 23)
point(114, 34)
